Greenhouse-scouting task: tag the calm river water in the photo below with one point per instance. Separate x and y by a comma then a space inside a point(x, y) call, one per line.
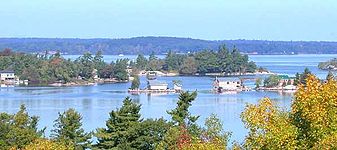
point(95, 102)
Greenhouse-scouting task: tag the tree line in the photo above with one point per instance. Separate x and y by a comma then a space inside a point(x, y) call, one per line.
point(160, 45)
point(223, 60)
point(46, 68)
point(309, 124)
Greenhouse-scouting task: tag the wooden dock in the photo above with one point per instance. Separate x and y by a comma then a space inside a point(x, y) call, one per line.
point(152, 91)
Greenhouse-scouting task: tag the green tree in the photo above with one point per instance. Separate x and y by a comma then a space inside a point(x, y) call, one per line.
point(305, 75)
point(135, 82)
point(120, 71)
point(99, 63)
point(141, 62)
point(86, 65)
point(189, 66)
point(271, 81)
point(68, 129)
point(117, 133)
point(18, 130)
point(181, 116)
point(258, 82)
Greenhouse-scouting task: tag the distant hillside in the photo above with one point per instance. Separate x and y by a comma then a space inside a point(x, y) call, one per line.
point(161, 45)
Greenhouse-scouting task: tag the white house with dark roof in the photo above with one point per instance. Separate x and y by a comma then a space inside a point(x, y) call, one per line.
point(156, 85)
point(7, 75)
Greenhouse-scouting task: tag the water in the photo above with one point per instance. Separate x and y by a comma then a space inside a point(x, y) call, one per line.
point(95, 102)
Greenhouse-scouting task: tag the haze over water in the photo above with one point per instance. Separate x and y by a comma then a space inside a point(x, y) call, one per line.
point(95, 102)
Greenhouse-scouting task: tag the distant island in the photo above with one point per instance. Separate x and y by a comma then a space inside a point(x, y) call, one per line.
point(161, 45)
point(328, 65)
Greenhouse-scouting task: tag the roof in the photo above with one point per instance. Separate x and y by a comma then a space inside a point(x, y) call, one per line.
point(156, 83)
point(6, 71)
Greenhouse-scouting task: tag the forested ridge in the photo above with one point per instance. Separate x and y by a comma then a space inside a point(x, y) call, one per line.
point(161, 45)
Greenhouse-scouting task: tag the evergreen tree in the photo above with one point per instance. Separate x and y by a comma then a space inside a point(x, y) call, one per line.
point(141, 62)
point(181, 116)
point(120, 67)
point(304, 75)
point(117, 133)
point(18, 130)
point(135, 82)
point(189, 66)
point(99, 63)
point(297, 79)
point(68, 129)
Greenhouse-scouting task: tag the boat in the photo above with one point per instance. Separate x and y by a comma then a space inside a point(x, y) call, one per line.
point(151, 75)
point(121, 55)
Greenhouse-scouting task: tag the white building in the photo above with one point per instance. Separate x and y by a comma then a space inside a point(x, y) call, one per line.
point(156, 85)
point(7, 76)
point(227, 85)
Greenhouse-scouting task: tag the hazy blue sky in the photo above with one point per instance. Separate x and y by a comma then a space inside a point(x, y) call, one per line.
point(204, 19)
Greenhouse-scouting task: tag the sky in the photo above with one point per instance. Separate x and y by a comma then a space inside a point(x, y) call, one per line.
point(305, 20)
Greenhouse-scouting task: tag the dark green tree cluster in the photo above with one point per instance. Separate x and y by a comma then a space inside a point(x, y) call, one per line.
point(300, 78)
point(135, 82)
point(19, 131)
point(45, 69)
point(207, 61)
point(126, 130)
point(68, 129)
point(271, 81)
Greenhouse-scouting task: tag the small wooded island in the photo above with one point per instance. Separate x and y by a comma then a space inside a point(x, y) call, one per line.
point(328, 65)
point(89, 69)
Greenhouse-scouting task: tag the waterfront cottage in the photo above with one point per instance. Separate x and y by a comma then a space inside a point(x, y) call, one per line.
point(285, 80)
point(156, 85)
point(227, 85)
point(7, 76)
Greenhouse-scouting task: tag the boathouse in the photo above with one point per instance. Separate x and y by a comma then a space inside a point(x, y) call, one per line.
point(156, 85)
point(7, 75)
point(285, 80)
point(220, 85)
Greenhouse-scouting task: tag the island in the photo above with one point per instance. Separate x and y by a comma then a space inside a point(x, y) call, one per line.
point(88, 69)
point(328, 65)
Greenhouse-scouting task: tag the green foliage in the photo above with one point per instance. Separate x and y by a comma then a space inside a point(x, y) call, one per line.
point(68, 129)
point(173, 61)
point(300, 78)
point(214, 131)
point(258, 82)
point(149, 133)
point(135, 83)
point(121, 122)
point(181, 116)
point(18, 130)
point(141, 62)
point(120, 69)
point(189, 66)
point(271, 81)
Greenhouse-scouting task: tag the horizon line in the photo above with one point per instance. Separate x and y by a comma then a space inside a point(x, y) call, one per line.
point(126, 38)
